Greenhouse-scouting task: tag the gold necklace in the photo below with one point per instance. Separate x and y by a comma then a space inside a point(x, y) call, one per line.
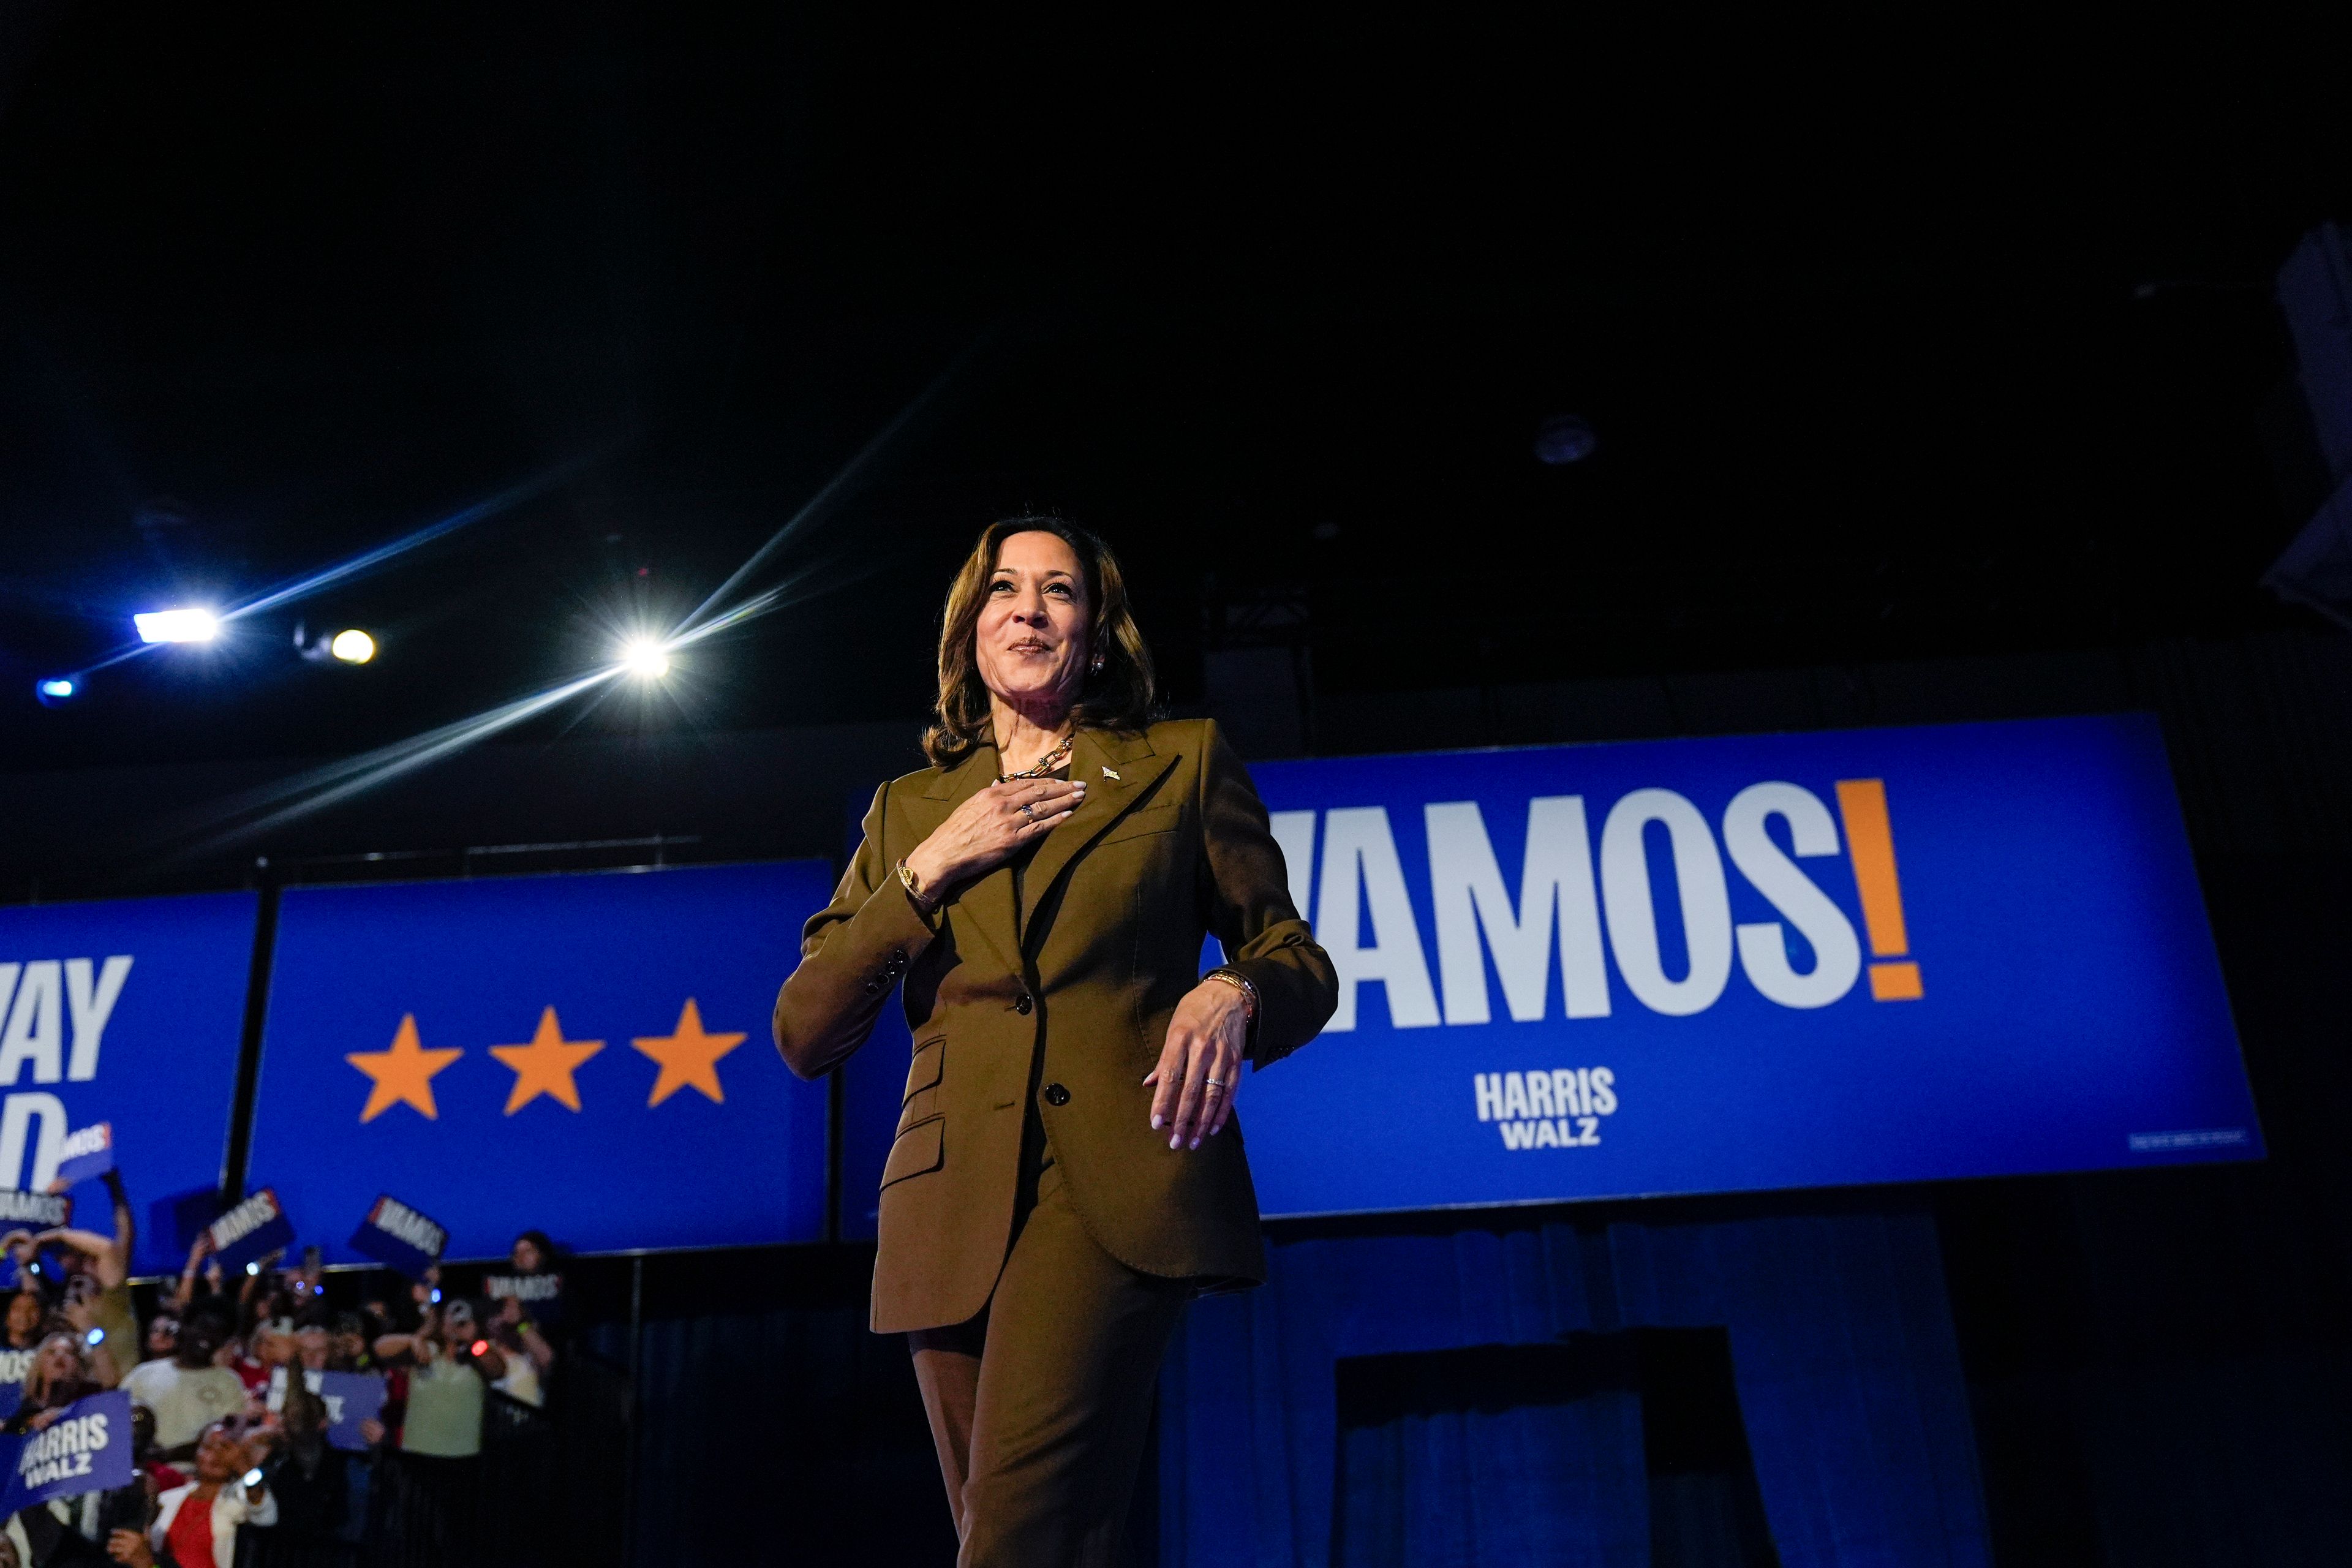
point(1051, 761)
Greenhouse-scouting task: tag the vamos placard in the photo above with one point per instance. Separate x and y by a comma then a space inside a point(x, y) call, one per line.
point(1747, 963)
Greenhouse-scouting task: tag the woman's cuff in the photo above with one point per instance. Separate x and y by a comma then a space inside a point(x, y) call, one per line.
point(928, 913)
point(889, 921)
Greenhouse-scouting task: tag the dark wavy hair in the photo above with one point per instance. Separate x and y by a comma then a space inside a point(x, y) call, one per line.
point(1123, 695)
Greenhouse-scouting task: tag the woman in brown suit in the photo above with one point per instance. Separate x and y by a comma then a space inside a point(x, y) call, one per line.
point(1062, 1180)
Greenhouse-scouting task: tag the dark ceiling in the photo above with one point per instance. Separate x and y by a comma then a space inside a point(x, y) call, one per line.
point(1968, 346)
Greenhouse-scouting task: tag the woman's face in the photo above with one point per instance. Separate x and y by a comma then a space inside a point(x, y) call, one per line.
point(1031, 642)
point(58, 1363)
point(23, 1314)
point(164, 1335)
point(219, 1456)
point(526, 1257)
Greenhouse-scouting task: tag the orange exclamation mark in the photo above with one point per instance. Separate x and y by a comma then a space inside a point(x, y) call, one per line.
point(1871, 842)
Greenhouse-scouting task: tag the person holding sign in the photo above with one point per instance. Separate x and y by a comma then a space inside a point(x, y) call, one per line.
point(1059, 1185)
point(196, 1523)
point(98, 1291)
point(59, 1376)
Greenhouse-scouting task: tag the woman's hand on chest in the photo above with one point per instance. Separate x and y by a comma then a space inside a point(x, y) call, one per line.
point(982, 833)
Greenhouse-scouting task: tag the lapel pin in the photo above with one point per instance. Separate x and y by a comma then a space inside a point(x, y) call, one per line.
point(1109, 774)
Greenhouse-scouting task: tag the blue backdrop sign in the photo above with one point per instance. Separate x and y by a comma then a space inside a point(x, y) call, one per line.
point(1728, 965)
point(1778, 960)
point(586, 1055)
point(126, 1013)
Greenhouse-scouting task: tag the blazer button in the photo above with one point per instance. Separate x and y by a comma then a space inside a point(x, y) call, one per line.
point(1057, 1095)
point(1022, 1005)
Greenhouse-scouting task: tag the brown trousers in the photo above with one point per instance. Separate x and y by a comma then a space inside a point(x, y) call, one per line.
point(1041, 1405)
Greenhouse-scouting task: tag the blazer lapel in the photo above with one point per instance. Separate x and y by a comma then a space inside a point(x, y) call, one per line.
point(984, 905)
point(1118, 772)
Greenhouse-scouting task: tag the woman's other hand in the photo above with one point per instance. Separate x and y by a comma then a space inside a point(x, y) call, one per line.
point(1205, 1040)
point(130, 1546)
point(982, 833)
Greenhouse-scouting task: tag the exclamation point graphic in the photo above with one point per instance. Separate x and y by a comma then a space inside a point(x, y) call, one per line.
point(1871, 842)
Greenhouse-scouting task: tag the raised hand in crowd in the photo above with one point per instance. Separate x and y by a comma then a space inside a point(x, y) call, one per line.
point(260, 1279)
point(105, 1259)
point(83, 1311)
point(199, 1258)
point(428, 1290)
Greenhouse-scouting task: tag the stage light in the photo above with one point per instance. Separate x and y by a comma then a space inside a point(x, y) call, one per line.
point(177, 626)
point(57, 689)
point(353, 647)
point(645, 658)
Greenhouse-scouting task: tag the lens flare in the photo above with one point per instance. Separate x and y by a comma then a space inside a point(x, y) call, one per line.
point(177, 626)
point(353, 647)
point(645, 658)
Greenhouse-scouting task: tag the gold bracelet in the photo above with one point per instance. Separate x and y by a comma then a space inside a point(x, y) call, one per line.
point(907, 879)
point(1239, 982)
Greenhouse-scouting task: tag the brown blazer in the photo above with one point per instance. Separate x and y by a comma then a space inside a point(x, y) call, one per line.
point(1064, 1002)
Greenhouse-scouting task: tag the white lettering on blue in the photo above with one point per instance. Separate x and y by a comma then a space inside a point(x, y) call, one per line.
point(1556, 1108)
point(1555, 878)
point(1763, 947)
point(1633, 910)
point(1360, 868)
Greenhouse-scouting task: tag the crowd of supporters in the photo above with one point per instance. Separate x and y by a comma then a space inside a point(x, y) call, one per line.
point(239, 1460)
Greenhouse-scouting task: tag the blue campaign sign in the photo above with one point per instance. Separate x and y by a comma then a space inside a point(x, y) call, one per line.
point(85, 1450)
point(587, 1055)
point(353, 1399)
point(1757, 961)
point(397, 1235)
point(87, 1155)
point(127, 1012)
point(252, 1230)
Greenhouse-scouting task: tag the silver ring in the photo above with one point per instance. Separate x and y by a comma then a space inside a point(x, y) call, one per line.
point(1029, 810)
point(1216, 1083)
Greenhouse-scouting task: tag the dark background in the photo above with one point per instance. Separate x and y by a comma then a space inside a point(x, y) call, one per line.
point(1893, 345)
point(1936, 375)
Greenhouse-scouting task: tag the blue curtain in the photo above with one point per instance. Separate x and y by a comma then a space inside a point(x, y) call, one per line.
point(1527, 1455)
point(1844, 1358)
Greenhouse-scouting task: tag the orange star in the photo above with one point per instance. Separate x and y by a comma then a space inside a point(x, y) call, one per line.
point(687, 1057)
point(545, 1066)
point(403, 1074)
